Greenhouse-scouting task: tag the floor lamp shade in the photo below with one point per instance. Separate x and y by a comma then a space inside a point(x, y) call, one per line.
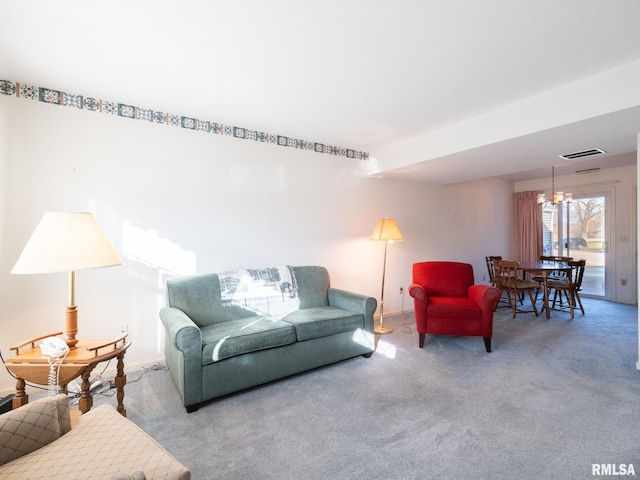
point(67, 242)
point(386, 231)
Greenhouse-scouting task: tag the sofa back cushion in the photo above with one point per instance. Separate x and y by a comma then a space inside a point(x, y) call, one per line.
point(444, 279)
point(199, 297)
point(268, 290)
point(313, 286)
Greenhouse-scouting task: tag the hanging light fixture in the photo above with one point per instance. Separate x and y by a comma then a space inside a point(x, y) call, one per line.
point(556, 197)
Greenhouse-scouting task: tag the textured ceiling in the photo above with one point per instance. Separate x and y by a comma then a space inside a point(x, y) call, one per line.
point(369, 75)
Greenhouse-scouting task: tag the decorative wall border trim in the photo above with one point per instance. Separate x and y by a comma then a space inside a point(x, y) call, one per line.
point(57, 97)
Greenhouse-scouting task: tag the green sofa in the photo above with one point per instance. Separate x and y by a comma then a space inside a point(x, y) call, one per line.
point(219, 341)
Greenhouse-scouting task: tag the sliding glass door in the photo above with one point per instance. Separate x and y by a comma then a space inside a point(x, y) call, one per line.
point(579, 229)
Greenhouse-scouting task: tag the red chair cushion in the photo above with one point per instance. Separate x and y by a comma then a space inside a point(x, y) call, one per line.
point(453, 307)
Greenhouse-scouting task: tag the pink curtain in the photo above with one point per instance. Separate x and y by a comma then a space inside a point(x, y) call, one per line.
point(527, 225)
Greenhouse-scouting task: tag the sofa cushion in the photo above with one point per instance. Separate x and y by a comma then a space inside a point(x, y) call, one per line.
point(318, 322)
point(28, 428)
point(199, 297)
point(313, 284)
point(244, 335)
point(269, 291)
point(453, 307)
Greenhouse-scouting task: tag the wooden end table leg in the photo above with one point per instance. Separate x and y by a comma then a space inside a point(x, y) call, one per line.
point(86, 400)
point(21, 397)
point(120, 381)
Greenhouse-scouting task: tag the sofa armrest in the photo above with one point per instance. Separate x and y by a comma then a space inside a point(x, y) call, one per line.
point(183, 354)
point(354, 302)
point(32, 426)
point(181, 331)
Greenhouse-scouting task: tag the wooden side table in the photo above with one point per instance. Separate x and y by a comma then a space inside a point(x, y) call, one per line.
point(30, 365)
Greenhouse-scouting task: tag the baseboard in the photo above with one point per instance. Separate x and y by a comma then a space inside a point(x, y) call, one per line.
point(394, 313)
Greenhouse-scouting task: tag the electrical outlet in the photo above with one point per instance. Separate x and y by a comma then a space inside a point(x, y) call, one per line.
point(124, 328)
point(623, 282)
point(401, 290)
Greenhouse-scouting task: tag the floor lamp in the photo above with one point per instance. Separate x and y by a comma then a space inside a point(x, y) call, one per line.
point(386, 231)
point(67, 242)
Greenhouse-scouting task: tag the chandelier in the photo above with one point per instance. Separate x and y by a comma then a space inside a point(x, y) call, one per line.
point(556, 197)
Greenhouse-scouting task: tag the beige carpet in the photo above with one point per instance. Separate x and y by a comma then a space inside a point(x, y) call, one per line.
point(552, 399)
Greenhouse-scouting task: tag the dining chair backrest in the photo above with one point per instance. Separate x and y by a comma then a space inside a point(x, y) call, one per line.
point(577, 273)
point(506, 273)
point(554, 259)
point(489, 261)
point(508, 279)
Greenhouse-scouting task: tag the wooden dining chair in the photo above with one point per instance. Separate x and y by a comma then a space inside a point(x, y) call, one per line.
point(558, 275)
point(553, 259)
point(508, 279)
point(556, 259)
point(489, 261)
point(569, 286)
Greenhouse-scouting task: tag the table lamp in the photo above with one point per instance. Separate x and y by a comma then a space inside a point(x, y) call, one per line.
point(386, 231)
point(67, 242)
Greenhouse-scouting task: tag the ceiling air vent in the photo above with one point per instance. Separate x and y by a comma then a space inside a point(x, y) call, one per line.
point(583, 153)
point(588, 170)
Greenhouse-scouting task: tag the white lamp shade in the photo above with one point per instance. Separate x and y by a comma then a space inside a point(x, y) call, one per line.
point(386, 231)
point(66, 242)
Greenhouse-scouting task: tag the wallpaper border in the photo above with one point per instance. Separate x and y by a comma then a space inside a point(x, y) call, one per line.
point(58, 97)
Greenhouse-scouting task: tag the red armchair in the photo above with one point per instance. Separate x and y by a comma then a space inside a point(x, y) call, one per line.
point(447, 302)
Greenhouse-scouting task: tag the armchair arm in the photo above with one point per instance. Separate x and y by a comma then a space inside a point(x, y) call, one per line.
point(417, 291)
point(485, 296)
point(420, 301)
point(354, 302)
point(33, 426)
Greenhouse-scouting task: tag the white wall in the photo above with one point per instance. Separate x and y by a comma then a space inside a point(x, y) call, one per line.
point(4, 167)
point(217, 202)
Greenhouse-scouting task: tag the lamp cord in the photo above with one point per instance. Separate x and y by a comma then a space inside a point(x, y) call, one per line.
point(10, 372)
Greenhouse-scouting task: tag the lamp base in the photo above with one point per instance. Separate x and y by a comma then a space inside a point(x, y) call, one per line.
point(72, 326)
point(382, 329)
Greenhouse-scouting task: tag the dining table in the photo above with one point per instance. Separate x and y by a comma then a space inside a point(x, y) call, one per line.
point(544, 269)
